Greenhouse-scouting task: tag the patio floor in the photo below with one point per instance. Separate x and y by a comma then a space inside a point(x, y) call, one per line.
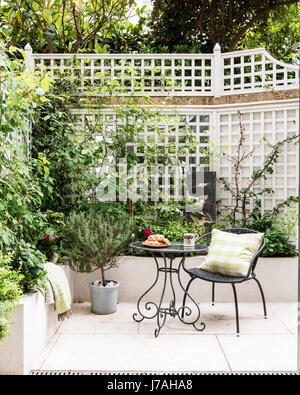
point(116, 343)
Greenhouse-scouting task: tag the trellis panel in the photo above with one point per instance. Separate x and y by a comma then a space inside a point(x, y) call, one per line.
point(220, 126)
point(213, 74)
point(255, 71)
point(275, 122)
point(172, 132)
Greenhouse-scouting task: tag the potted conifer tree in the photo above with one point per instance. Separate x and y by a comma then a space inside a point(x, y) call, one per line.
point(92, 241)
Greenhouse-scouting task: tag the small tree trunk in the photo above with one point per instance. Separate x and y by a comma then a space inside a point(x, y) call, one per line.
point(244, 211)
point(235, 212)
point(103, 276)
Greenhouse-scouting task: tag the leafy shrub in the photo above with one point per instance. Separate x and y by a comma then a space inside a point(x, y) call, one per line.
point(111, 208)
point(91, 240)
point(278, 244)
point(169, 212)
point(30, 262)
point(10, 292)
point(279, 229)
point(288, 221)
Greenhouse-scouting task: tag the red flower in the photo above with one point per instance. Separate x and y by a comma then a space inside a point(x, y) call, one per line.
point(147, 232)
point(47, 237)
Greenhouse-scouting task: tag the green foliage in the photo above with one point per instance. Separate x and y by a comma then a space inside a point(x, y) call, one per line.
point(91, 241)
point(60, 25)
point(69, 161)
point(30, 262)
point(278, 34)
point(169, 211)
point(279, 229)
point(10, 292)
point(126, 37)
point(20, 93)
point(115, 209)
point(283, 214)
point(168, 219)
point(207, 23)
point(22, 178)
point(21, 196)
point(278, 243)
point(288, 221)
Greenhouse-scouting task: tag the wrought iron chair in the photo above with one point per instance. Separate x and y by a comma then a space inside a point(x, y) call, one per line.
point(218, 278)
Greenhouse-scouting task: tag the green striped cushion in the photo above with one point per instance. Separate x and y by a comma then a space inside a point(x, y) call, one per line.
point(230, 254)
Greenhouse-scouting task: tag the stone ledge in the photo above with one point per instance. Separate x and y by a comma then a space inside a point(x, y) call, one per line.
point(267, 96)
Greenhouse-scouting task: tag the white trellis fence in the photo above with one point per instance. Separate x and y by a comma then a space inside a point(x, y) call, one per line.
point(215, 74)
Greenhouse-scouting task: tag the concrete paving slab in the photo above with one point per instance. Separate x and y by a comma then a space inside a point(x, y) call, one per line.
point(135, 353)
point(260, 352)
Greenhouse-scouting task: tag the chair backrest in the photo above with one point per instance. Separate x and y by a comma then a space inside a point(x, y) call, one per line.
point(243, 231)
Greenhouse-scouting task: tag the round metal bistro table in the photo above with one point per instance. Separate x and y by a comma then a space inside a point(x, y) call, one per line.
point(169, 254)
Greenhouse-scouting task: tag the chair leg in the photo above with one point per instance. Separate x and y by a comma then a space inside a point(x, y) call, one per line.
point(184, 297)
point(236, 311)
point(213, 294)
point(262, 296)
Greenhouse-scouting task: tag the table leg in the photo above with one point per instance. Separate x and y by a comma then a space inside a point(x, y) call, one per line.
point(172, 305)
point(162, 313)
point(148, 305)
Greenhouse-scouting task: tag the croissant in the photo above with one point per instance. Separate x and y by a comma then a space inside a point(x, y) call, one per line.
point(157, 241)
point(156, 237)
point(152, 243)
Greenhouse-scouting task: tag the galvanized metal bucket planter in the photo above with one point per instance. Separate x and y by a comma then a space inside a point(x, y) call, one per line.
point(104, 299)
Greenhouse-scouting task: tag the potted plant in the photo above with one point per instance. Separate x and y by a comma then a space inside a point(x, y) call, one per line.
point(92, 241)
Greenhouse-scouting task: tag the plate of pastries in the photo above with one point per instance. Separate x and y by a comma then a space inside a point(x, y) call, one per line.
point(157, 241)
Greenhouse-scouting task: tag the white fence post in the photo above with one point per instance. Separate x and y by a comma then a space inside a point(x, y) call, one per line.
point(217, 70)
point(29, 58)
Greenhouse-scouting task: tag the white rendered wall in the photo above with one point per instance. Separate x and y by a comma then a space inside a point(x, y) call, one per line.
point(278, 277)
point(33, 323)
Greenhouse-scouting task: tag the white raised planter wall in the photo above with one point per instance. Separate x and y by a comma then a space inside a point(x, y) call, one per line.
point(33, 324)
point(136, 274)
